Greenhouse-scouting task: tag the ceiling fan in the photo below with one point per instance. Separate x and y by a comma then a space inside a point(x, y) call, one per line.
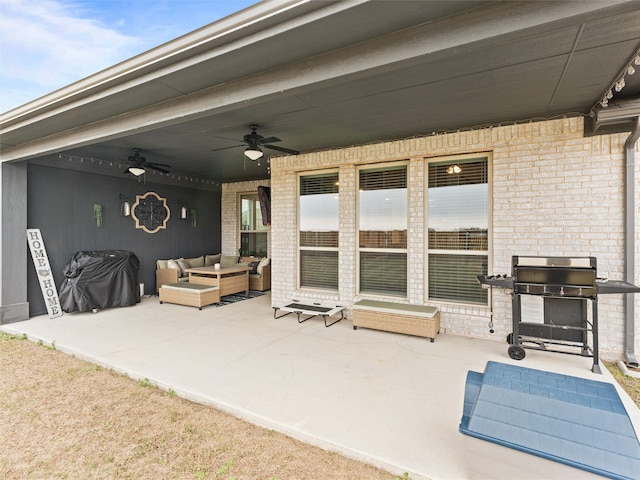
point(254, 141)
point(139, 164)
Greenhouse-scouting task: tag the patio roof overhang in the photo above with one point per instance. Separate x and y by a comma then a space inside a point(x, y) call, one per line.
point(323, 75)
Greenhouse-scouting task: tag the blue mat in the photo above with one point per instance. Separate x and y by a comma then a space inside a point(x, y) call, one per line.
point(575, 421)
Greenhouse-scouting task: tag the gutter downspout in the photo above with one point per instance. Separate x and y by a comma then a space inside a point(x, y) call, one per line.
point(630, 249)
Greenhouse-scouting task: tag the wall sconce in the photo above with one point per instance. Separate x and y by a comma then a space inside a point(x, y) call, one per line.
point(184, 210)
point(193, 214)
point(125, 207)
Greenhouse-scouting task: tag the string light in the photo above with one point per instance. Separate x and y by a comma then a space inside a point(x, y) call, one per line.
point(620, 83)
point(119, 166)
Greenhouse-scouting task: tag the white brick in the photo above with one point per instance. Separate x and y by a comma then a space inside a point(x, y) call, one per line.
point(555, 192)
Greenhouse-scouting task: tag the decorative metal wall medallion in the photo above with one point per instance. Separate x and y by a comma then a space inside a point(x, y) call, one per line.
point(150, 212)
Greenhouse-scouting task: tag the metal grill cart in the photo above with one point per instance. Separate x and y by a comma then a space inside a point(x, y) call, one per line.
point(567, 285)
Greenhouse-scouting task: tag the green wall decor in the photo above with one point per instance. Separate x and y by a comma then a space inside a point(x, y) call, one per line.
point(97, 214)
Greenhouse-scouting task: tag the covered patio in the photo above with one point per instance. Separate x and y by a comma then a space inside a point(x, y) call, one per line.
point(390, 400)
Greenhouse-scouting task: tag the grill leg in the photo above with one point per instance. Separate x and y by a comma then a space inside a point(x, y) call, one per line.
point(594, 333)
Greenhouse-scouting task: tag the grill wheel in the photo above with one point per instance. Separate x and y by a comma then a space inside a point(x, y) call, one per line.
point(516, 352)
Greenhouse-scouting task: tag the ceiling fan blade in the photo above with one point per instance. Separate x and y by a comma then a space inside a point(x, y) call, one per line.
point(269, 140)
point(227, 148)
point(155, 164)
point(282, 149)
point(225, 138)
point(156, 168)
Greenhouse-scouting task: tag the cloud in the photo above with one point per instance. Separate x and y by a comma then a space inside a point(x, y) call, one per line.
point(47, 44)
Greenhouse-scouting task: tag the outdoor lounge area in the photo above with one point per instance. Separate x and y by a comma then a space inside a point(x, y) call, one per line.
point(391, 400)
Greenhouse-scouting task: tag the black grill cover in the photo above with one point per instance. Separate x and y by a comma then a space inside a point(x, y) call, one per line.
point(100, 279)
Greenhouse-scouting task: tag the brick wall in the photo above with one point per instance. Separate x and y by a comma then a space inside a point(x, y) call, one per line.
point(554, 192)
point(230, 202)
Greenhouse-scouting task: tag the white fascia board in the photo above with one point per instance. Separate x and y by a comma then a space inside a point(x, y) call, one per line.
point(172, 56)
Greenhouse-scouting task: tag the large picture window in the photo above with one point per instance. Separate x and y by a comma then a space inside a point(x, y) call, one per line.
point(382, 231)
point(253, 234)
point(318, 227)
point(458, 222)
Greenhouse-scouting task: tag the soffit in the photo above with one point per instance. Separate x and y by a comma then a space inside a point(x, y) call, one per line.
point(317, 82)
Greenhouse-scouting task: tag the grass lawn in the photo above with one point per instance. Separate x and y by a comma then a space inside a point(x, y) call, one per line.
point(62, 417)
point(630, 384)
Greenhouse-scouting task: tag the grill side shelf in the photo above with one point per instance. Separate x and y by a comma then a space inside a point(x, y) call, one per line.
point(616, 286)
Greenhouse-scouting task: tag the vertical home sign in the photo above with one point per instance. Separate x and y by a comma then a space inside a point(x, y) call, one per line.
point(43, 270)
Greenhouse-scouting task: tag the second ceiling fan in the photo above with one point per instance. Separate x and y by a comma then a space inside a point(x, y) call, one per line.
point(254, 141)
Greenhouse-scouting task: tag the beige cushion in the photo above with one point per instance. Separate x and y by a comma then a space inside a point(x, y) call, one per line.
point(184, 265)
point(179, 264)
point(391, 308)
point(210, 260)
point(196, 262)
point(263, 263)
point(227, 261)
point(174, 264)
point(161, 264)
point(190, 287)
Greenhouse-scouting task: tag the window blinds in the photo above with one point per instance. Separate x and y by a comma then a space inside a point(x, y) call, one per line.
point(319, 269)
point(458, 221)
point(318, 236)
point(383, 230)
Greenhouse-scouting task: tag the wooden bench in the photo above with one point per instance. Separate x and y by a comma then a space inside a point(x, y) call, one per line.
point(189, 294)
point(419, 320)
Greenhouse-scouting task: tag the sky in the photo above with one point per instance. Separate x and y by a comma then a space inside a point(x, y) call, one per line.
point(49, 44)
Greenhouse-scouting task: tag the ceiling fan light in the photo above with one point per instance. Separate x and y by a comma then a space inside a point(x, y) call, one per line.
point(253, 153)
point(137, 171)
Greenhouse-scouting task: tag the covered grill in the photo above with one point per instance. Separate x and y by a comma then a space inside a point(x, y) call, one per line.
point(567, 285)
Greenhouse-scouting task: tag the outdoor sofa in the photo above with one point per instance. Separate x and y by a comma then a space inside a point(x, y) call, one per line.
point(174, 270)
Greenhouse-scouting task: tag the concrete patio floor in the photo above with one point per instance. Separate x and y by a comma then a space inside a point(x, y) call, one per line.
point(390, 400)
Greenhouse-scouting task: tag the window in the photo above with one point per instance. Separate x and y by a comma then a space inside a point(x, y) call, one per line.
point(253, 234)
point(382, 231)
point(318, 226)
point(458, 221)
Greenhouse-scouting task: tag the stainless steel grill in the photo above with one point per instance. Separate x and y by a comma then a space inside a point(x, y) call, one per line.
point(567, 285)
point(555, 276)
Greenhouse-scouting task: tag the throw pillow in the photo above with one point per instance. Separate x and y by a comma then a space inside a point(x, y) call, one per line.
point(174, 264)
point(184, 265)
point(263, 263)
point(254, 267)
point(211, 260)
point(227, 261)
point(196, 262)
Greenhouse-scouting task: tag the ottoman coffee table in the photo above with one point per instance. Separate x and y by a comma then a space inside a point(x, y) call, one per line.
point(189, 294)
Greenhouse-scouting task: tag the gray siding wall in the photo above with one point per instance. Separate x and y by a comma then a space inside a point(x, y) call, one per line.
point(60, 204)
